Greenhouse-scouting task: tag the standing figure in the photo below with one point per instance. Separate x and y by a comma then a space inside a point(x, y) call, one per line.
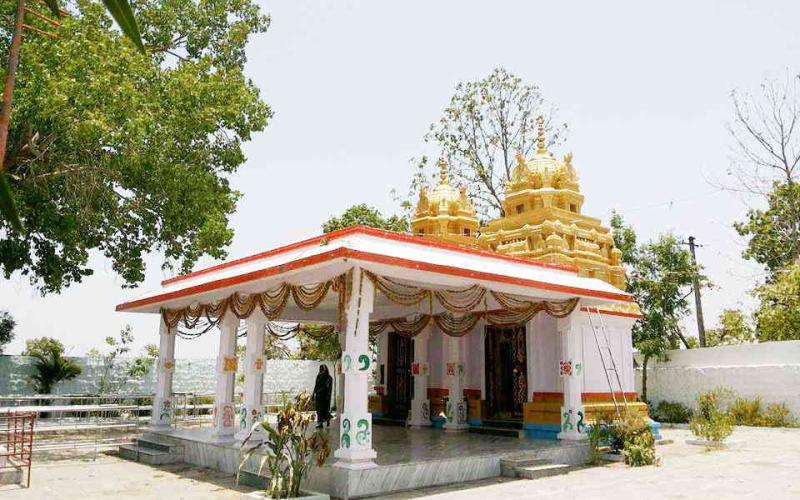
point(322, 396)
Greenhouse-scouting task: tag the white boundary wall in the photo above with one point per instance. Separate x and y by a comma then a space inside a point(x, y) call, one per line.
point(770, 370)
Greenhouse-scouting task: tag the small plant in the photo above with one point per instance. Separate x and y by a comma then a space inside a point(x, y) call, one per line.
point(630, 434)
point(599, 435)
point(291, 450)
point(710, 422)
point(777, 415)
point(672, 412)
point(641, 451)
point(746, 411)
point(50, 364)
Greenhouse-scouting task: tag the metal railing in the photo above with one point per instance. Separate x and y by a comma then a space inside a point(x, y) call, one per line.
point(16, 444)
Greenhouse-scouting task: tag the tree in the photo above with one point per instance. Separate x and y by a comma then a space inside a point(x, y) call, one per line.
point(734, 328)
point(766, 135)
point(660, 275)
point(120, 10)
point(778, 316)
point(124, 153)
point(42, 345)
point(482, 129)
point(363, 215)
point(774, 233)
point(7, 325)
point(109, 380)
point(50, 364)
point(142, 364)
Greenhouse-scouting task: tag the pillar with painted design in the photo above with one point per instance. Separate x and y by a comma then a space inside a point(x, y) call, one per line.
point(571, 370)
point(224, 410)
point(163, 411)
point(255, 363)
point(355, 424)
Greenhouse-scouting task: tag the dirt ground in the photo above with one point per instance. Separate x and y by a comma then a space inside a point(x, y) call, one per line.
point(765, 464)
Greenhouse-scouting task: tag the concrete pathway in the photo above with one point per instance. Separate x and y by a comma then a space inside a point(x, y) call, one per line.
point(765, 465)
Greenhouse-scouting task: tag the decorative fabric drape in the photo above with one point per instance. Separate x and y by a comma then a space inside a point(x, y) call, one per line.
point(458, 319)
point(459, 325)
point(272, 303)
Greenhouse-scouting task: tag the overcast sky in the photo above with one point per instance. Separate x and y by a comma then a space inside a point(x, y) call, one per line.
point(354, 85)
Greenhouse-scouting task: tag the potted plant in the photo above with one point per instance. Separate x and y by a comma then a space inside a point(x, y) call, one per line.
point(290, 449)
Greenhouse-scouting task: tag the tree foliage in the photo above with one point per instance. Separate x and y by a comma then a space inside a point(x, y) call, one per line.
point(50, 365)
point(485, 125)
point(734, 328)
point(660, 276)
point(7, 325)
point(774, 233)
point(766, 135)
point(778, 316)
point(364, 215)
point(124, 153)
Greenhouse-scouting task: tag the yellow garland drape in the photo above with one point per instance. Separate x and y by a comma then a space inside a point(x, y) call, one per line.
point(458, 326)
point(457, 320)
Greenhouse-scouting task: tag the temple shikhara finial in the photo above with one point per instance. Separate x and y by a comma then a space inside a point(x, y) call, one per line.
point(443, 170)
point(541, 146)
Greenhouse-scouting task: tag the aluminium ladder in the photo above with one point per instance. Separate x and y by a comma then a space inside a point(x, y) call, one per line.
point(604, 349)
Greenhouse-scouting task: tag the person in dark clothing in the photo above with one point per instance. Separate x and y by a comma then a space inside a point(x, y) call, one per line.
point(322, 396)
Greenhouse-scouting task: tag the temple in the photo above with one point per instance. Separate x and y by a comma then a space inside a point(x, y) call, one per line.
point(518, 328)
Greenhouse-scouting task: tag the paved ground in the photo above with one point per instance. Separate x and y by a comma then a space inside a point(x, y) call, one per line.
point(765, 465)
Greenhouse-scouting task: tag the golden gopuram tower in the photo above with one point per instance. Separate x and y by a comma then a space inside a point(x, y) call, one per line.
point(542, 218)
point(445, 213)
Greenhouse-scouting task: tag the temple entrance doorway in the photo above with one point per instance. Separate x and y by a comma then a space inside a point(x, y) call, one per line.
point(506, 372)
point(399, 386)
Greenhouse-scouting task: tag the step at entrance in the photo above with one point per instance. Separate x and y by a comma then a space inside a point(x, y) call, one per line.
point(389, 420)
point(150, 451)
point(527, 468)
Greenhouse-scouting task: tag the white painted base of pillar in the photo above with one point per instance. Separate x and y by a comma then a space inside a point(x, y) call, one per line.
point(355, 459)
point(572, 436)
point(158, 427)
point(420, 414)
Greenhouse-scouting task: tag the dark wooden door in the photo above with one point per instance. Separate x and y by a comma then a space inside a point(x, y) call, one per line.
point(506, 372)
point(399, 385)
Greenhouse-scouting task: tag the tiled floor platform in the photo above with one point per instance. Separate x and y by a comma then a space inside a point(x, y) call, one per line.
point(407, 458)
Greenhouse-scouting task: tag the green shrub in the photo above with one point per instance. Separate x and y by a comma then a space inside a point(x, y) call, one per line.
point(672, 412)
point(746, 411)
point(641, 451)
point(710, 422)
point(777, 415)
point(631, 434)
point(599, 435)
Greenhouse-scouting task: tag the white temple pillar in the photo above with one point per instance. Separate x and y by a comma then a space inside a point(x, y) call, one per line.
point(254, 364)
point(571, 370)
point(420, 415)
point(355, 426)
point(224, 410)
point(456, 404)
point(162, 414)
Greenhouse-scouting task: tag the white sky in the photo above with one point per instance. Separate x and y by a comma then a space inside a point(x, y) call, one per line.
point(354, 85)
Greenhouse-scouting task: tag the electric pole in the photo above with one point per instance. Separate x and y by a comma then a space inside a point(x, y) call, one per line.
point(701, 329)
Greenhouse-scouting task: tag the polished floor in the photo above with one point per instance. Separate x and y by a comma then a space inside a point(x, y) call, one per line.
point(396, 445)
point(400, 445)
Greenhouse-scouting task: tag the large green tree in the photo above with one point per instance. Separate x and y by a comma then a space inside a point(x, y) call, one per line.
point(485, 125)
point(660, 275)
point(778, 316)
point(364, 215)
point(121, 152)
point(774, 234)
